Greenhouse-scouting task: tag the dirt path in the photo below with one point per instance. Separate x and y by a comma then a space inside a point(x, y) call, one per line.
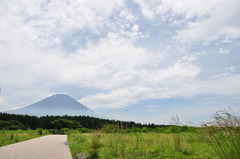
point(46, 147)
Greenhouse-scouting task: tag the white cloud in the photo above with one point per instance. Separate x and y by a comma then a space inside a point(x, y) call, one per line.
point(218, 20)
point(148, 84)
point(222, 85)
point(145, 8)
point(231, 69)
point(198, 20)
point(53, 20)
point(223, 51)
point(135, 28)
point(110, 64)
point(117, 98)
point(167, 88)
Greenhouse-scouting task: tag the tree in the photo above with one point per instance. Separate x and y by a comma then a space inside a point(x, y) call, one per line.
point(11, 125)
point(65, 123)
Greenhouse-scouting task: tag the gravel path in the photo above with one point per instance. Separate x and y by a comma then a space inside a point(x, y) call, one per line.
point(46, 147)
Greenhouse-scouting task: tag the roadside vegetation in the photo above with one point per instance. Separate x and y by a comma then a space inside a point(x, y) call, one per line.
point(12, 136)
point(219, 139)
point(141, 145)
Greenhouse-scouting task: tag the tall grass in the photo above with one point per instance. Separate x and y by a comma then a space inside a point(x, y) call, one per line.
point(12, 136)
point(176, 134)
point(149, 145)
point(95, 146)
point(223, 134)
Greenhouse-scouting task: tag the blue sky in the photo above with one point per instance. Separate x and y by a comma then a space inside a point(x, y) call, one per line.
point(126, 59)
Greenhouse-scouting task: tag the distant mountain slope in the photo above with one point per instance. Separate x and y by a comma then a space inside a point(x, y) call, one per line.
point(58, 104)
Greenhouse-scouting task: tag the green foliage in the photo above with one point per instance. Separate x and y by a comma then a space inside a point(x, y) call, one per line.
point(136, 129)
point(146, 129)
point(11, 125)
point(83, 130)
point(44, 122)
point(223, 135)
point(40, 131)
point(110, 128)
point(47, 122)
point(95, 146)
point(65, 123)
point(16, 138)
point(64, 130)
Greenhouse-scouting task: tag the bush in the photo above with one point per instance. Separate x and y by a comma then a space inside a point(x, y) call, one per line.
point(136, 129)
point(83, 130)
point(146, 129)
point(110, 128)
point(64, 130)
point(40, 131)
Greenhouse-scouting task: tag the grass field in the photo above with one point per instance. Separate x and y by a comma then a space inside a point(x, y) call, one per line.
point(12, 136)
point(140, 145)
point(219, 139)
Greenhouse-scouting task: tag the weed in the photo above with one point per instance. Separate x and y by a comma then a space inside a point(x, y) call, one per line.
point(12, 136)
point(95, 146)
point(16, 138)
point(176, 132)
point(223, 135)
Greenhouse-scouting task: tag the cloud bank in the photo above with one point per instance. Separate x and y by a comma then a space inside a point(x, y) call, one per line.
point(109, 46)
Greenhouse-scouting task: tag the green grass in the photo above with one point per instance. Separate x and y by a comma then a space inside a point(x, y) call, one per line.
point(139, 145)
point(12, 136)
point(224, 135)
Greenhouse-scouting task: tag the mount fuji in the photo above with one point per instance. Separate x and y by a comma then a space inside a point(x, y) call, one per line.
point(58, 104)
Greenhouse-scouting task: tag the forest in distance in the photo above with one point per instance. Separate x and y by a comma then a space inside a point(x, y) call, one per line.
point(18, 121)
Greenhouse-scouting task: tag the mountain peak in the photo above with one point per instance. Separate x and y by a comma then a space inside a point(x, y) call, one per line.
point(57, 104)
point(60, 95)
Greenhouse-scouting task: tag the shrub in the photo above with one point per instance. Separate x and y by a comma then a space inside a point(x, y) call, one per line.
point(64, 131)
point(146, 129)
point(40, 131)
point(136, 129)
point(16, 138)
point(83, 130)
point(110, 128)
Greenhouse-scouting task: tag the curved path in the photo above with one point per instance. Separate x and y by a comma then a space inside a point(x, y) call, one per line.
point(46, 147)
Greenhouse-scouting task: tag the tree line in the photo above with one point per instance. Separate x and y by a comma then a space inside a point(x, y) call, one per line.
point(18, 121)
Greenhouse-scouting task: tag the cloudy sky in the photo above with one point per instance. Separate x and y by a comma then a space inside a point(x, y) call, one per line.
point(126, 59)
